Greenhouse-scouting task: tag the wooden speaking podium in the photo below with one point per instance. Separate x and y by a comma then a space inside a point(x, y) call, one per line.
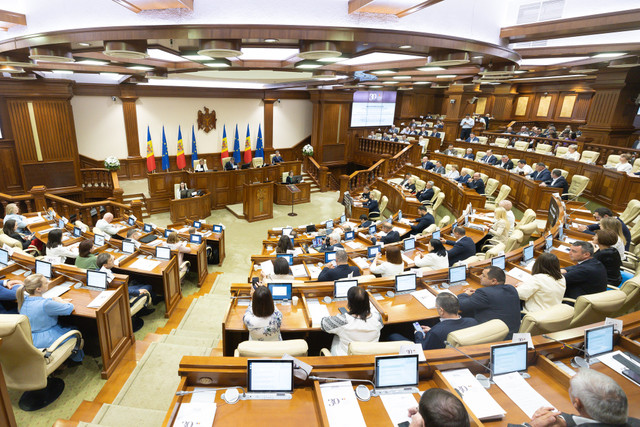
point(258, 201)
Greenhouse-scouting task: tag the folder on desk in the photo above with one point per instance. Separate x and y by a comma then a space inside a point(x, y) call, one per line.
point(100, 299)
point(425, 298)
point(341, 405)
point(299, 270)
point(479, 401)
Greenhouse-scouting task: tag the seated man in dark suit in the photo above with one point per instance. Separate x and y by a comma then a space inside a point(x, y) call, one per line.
point(505, 163)
point(494, 300)
point(366, 192)
point(427, 193)
point(372, 205)
point(489, 158)
point(558, 181)
point(447, 306)
point(462, 179)
point(231, 165)
point(439, 169)
point(342, 270)
point(469, 154)
point(450, 151)
point(426, 164)
point(423, 222)
point(476, 183)
point(601, 213)
point(472, 138)
point(463, 247)
point(391, 235)
point(588, 276)
point(277, 158)
point(541, 173)
point(599, 400)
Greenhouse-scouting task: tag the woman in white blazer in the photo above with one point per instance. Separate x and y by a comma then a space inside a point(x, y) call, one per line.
point(436, 259)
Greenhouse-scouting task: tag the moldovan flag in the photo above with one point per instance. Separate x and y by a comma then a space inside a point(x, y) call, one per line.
point(180, 160)
point(225, 148)
point(247, 147)
point(259, 148)
point(151, 160)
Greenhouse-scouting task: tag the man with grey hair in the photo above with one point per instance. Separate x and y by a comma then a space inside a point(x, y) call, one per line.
point(341, 270)
point(333, 243)
point(507, 206)
point(588, 276)
point(599, 400)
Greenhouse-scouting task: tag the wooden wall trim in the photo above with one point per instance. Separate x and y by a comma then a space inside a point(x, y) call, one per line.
point(268, 122)
point(131, 125)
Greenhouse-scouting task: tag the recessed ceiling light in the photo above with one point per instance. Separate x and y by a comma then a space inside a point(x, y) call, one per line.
point(383, 72)
point(165, 56)
point(375, 86)
point(267, 53)
point(430, 69)
point(85, 44)
point(445, 76)
point(333, 59)
point(140, 67)
point(92, 62)
point(391, 83)
point(127, 49)
point(373, 58)
point(402, 77)
point(270, 40)
point(421, 83)
point(551, 61)
point(62, 71)
point(220, 63)
point(196, 57)
point(609, 55)
point(405, 46)
point(520, 71)
point(477, 57)
point(318, 49)
point(308, 65)
point(567, 76)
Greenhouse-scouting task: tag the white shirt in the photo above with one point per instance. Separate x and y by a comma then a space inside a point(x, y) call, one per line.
point(620, 248)
point(467, 123)
point(433, 261)
point(200, 168)
point(106, 227)
point(499, 231)
point(453, 174)
point(624, 167)
point(61, 252)
point(512, 220)
point(347, 329)
point(541, 292)
point(386, 269)
point(575, 156)
point(526, 169)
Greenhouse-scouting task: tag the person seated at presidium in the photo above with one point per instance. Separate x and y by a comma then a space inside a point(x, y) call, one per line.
point(230, 165)
point(424, 221)
point(392, 266)
point(262, 318)
point(558, 181)
point(494, 300)
point(476, 183)
point(588, 276)
point(200, 167)
point(439, 408)
point(289, 179)
point(55, 247)
point(277, 158)
point(436, 259)
point(463, 246)
point(85, 258)
point(546, 287)
point(185, 193)
point(359, 324)
point(341, 270)
point(43, 313)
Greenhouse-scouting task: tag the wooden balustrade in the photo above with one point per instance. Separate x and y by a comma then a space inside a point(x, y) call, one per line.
point(318, 173)
point(491, 138)
point(25, 202)
point(97, 183)
point(378, 146)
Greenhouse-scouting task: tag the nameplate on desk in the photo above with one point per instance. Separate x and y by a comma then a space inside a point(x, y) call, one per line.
point(196, 414)
point(425, 298)
point(479, 401)
point(100, 299)
point(341, 404)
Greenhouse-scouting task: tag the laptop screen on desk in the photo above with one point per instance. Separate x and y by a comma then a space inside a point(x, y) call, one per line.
point(396, 371)
point(499, 262)
point(287, 231)
point(131, 222)
point(317, 241)
point(343, 219)
point(270, 376)
point(163, 253)
point(195, 238)
point(329, 256)
point(548, 242)
point(280, 291)
point(527, 253)
point(147, 228)
point(341, 287)
point(4, 257)
point(98, 240)
point(560, 233)
point(457, 274)
point(436, 235)
point(409, 244)
point(77, 232)
point(128, 247)
point(44, 268)
point(598, 340)
point(372, 229)
point(399, 215)
point(288, 257)
point(217, 229)
point(507, 358)
point(372, 251)
point(97, 279)
point(197, 224)
point(167, 232)
point(349, 235)
point(61, 224)
point(405, 282)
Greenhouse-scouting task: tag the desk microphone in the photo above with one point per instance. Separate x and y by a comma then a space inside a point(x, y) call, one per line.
point(576, 362)
point(483, 380)
point(362, 392)
point(389, 293)
point(230, 395)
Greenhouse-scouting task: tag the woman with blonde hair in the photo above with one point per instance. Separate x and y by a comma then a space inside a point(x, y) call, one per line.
point(613, 224)
point(501, 227)
point(43, 312)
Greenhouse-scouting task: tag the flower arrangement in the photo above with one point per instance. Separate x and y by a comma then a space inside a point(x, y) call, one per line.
point(112, 163)
point(307, 150)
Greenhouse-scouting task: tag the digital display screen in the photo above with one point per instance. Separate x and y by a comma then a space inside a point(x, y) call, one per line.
point(195, 238)
point(4, 257)
point(372, 229)
point(405, 282)
point(560, 233)
point(61, 224)
point(317, 241)
point(44, 268)
point(373, 108)
point(349, 235)
point(98, 240)
point(97, 279)
point(399, 215)
point(372, 251)
point(548, 242)
point(436, 235)
point(457, 274)
point(343, 219)
point(167, 232)
point(128, 247)
point(280, 291)
point(288, 257)
point(499, 262)
point(287, 231)
point(527, 253)
point(329, 256)
point(329, 224)
point(77, 232)
point(147, 228)
point(598, 340)
point(197, 224)
point(217, 229)
point(163, 253)
point(507, 358)
point(396, 371)
point(341, 287)
point(131, 222)
point(409, 244)
point(270, 376)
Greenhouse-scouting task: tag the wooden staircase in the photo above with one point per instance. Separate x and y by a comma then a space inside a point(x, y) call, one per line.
point(307, 178)
point(128, 198)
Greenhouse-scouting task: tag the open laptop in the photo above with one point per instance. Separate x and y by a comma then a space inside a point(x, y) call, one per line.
point(77, 232)
point(197, 224)
point(499, 261)
point(163, 253)
point(458, 276)
point(195, 238)
point(44, 268)
point(269, 379)
point(286, 231)
point(288, 257)
point(372, 251)
point(507, 358)
point(4, 257)
point(217, 229)
point(548, 243)
point(597, 341)
point(98, 240)
point(329, 224)
point(341, 287)
point(408, 244)
point(349, 235)
point(527, 255)
point(96, 280)
point(405, 283)
point(343, 219)
point(329, 256)
point(436, 235)
point(131, 222)
point(396, 374)
point(317, 241)
point(281, 291)
point(372, 229)
point(128, 247)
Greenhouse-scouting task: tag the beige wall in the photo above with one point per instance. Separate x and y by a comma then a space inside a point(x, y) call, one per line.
point(99, 125)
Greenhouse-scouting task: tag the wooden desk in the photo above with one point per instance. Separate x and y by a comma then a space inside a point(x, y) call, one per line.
point(258, 201)
point(282, 195)
point(214, 240)
point(191, 208)
point(112, 320)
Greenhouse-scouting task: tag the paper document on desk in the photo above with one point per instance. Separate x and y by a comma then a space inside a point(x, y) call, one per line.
point(474, 395)
point(299, 270)
point(361, 262)
point(317, 311)
point(406, 259)
point(100, 299)
point(521, 393)
point(426, 298)
point(297, 251)
point(203, 395)
point(33, 220)
point(341, 405)
point(312, 251)
point(145, 264)
point(196, 414)
point(411, 199)
point(397, 406)
point(314, 271)
point(519, 274)
point(400, 231)
point(267, 267)
point(155, 242)
point(406, 221)
point(562, 248)
point(354, 245)
point(608, 360)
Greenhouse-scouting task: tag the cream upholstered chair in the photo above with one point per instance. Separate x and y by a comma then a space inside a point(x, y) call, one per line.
point(484, 177)
point(636, 165)
point(479, 155)
point(271, 156)
point(631, 288)
point(630, 212)
point(595, 307)
point(429, 230)
point(383, 204)
point(27, 368)
point(10, 241)
point(613, 160)
point(521, 145)
point(556, 318)
point(635, 233)
point(375, 194)
point(527, 217)
point(99, 232)
point(228, 159)
point(491, 187)
point(365, 277)
point(561, 151)
point(465, 171)
point(256, 162)
point(501, 142)
point(295, 348)
point(360, 348)
point(579, 183)
point(483, 140)
point(527, 225)
point(544, 149)
point(436, 193)
point(564, 173)
point(460, 151)
point(378, 135)
point(492, 202)
point(420, 184)
point(438, 201)
point(411, 138)
point(513, 242)
point(444, 221)
point(491, 331)
point(194, 162)
point(442, 136)
point(589, 157)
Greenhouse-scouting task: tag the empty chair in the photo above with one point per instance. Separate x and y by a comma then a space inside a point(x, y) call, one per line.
point(543, 148)
point(430, 229)
point(590, 157)
point(480, 155)
point(487, 332)
point(631, 212)
point(444, 221)
point(527, 230)
point(556, 318)
point(594, 308)
point(501, 142)
point(257, 162)
point(359, 348)
point(565, 173)
point(460, 151)
point(420, 184)
point(383, 204)
point(521, 145)
point(484, 177)
point(448, 167)
point(613, 160)
point(296, 348)
point(561, 151)
point(636, 165)
point(579, 183)
point(438, 201)
point(491, 187)
point(513, 242)
point(482, 140)
point(27, 368)
point(492, 202)
point(631, 288)
point(528, 217)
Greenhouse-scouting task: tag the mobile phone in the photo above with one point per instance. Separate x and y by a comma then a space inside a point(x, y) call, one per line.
point(343, 310)
point(254, 282)
point(631, 375)
point(418, 328)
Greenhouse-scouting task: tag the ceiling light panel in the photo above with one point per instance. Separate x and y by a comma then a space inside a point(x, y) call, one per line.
point(551, 61)
point(165, 56)
point(267, 54)
point(374, 58)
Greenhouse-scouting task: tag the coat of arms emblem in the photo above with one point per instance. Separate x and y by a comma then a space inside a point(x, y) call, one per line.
point(206, 120)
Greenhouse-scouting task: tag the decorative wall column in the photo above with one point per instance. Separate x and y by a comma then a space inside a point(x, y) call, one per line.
point(331, 112)
point(131, 124)
point(268, 122)
point(503, 96)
